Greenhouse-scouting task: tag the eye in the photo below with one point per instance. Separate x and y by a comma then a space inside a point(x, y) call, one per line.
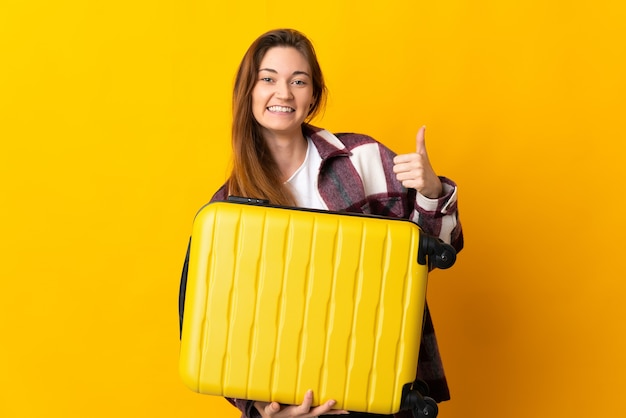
point(266, 79)
point(299, 82)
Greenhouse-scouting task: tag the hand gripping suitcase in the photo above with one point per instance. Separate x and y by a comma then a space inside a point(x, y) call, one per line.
point(281, 300)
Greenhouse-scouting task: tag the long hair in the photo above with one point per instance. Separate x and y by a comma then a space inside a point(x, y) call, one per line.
point(255, 174)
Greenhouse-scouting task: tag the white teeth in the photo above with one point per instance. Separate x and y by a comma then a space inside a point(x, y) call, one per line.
point(283, 109)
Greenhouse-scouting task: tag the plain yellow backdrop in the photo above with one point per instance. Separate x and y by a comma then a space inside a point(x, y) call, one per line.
point(114, 130)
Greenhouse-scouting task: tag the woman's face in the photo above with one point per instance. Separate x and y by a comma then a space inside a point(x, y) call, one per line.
point(283, 93)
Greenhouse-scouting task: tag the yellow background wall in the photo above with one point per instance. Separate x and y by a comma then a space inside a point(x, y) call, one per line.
point(114, 125)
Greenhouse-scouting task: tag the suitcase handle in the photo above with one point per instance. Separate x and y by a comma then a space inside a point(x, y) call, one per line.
point(249, 200)
point(437, 252)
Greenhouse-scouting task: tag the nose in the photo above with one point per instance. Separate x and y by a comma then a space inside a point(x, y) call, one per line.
point(283, 91)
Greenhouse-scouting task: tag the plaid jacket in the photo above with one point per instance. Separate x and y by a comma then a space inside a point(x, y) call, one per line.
point(356, 175)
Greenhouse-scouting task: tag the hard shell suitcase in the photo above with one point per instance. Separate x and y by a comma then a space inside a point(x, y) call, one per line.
point(281, 300)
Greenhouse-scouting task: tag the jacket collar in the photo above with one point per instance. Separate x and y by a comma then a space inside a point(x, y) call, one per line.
point(327, 144)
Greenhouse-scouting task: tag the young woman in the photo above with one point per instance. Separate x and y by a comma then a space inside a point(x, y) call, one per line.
point(278, 156)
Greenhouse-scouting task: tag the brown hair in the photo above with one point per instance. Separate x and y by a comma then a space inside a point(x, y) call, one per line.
point(255, 174)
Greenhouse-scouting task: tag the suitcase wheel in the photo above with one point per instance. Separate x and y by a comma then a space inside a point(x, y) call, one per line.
point(436, 252)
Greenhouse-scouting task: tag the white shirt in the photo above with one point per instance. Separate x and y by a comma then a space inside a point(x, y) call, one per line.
point(303, 183)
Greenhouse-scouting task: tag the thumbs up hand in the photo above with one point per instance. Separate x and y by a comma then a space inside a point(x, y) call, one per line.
point(414, 170)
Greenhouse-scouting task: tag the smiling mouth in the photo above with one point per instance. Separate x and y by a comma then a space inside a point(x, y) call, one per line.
point(281, 109)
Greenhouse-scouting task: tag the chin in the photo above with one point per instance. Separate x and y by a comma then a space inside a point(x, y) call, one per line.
point(282, 129)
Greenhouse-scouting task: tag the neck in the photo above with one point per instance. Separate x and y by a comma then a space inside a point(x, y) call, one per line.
point(289, 152)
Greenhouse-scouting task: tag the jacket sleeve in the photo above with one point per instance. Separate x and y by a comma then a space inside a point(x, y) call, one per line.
point(440, 217)
point(246, 407)
point(360, 178)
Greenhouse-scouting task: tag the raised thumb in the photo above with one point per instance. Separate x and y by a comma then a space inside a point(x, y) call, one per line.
point(420, 144)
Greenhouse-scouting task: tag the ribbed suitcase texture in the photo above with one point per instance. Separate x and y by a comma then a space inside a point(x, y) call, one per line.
point(281, 300)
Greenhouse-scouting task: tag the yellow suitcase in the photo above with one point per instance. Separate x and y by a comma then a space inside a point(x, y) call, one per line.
point(281, 300)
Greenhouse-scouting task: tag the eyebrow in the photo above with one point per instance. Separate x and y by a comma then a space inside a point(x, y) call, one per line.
point(271, 70)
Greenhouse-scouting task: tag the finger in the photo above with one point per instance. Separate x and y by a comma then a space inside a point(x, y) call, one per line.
point(408, 175)
point(421, 140)
point(305, 406)
point(415, 163)
point(325, 409)
point(405, 158)
point(413, 184)
point(272, 408)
